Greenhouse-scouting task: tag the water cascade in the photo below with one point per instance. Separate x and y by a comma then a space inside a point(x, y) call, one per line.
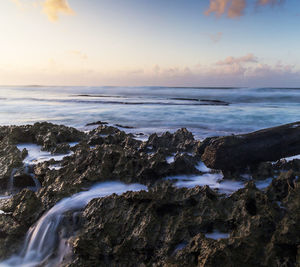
point(42, 238)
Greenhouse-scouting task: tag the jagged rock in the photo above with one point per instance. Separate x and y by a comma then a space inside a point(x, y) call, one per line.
point(262, 171)
point(104, 130)
point(10, 159)
point(11, 233)
point(281, 186)
point(287, 165)
point(183, 163)
point(167, 227)
point(24, 206)
point(181, 141)
point(61, 149)
point(20, 213)
point(283, 250)
point(46, 134)
point(147, 228)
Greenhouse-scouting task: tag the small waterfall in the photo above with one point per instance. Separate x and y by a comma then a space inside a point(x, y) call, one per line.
point(10, 184)
point(42, 239)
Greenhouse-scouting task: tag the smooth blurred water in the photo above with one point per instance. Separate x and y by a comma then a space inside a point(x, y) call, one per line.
point(42, 238)
point(152, 109)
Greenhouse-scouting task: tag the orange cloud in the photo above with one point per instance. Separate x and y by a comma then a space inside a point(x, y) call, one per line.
point(235, 8)
point(52, 8)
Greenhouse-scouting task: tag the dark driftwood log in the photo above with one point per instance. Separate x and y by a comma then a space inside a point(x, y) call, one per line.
point(238, 151)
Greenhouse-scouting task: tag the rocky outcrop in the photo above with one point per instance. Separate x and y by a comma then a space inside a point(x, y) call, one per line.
point(10, 159)
point(148, 227)
point(181, 141)
point(116, 156)
point(20, 213)
point(239, 151)
point(46, 134)
point(164, 226)
point(50, 137)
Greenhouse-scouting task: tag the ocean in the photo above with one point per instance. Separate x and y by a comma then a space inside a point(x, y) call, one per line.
point(204, 111)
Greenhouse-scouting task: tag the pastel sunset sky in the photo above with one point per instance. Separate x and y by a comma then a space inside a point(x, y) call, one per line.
point(150, 42)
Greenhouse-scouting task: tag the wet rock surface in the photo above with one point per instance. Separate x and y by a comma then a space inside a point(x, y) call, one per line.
point(164, 226)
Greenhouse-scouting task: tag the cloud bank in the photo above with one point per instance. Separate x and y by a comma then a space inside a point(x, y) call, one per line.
point(245, 70)
point(52, 8)
point(236, 8)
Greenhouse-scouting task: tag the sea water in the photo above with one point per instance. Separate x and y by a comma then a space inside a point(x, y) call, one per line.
point(204, 111)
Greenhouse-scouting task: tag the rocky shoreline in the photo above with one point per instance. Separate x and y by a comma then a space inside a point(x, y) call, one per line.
point(216, 224)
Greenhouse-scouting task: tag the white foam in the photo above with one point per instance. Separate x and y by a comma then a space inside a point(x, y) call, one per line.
point(213, 180)
point(263, 183)
point(36, 155)
point(170, 159)
point(72, 144)
point(292, 158)
point(217, 235)
point(142, 138)
point(55, 167)
point(202, 167)
point(230, 186)
point(5, 197)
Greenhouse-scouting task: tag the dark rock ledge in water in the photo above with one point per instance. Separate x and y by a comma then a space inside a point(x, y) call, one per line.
point(239, 151)
point(164, 226)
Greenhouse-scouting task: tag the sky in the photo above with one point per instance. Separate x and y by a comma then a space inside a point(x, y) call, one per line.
point(250, 43)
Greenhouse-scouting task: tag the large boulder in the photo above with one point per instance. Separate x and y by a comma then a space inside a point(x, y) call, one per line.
point(239, 151)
